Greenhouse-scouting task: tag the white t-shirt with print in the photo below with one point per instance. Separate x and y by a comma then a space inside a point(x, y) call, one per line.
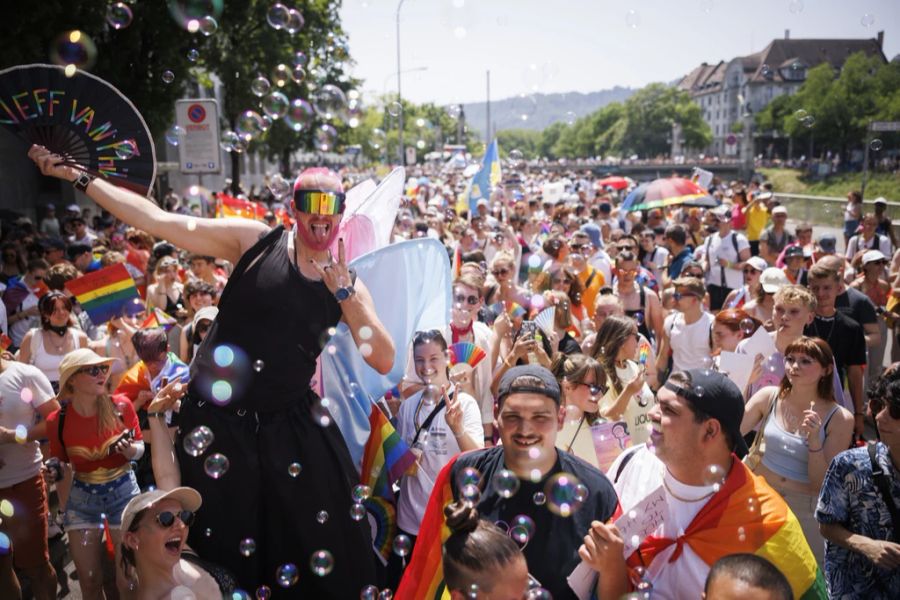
point(17, 407)
point(642, 475)
point(438, 447)
point(716, 247)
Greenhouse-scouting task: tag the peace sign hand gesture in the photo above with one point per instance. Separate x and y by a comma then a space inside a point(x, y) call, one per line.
point(335, 275)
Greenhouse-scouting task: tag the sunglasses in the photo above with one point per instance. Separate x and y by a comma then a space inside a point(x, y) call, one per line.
point(750, 271)
point(595, 390)
point(319, 203)
point(680, 295)
point(577, 247)
point(697, 275)
point(167, 518)
point(500, 271)
point(560, 281)
point(626, 248)
point(628, 272)
point(95, 370)
point(470, 300)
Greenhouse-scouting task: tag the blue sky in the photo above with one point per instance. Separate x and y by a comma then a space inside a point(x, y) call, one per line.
point(581, 45)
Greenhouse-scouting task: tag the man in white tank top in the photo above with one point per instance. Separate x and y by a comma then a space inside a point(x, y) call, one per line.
point(687, 330)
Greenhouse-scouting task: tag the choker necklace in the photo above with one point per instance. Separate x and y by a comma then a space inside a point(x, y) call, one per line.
point(60, 331)
point(458, 332)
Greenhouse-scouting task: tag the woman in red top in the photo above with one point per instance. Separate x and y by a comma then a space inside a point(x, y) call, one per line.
point(99, 436)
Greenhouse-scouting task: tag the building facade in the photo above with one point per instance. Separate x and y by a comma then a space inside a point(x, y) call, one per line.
point(730, 92)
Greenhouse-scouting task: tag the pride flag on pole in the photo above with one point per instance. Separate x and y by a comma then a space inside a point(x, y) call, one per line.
point(104, 294)
point(485, 179)
point(386, 456)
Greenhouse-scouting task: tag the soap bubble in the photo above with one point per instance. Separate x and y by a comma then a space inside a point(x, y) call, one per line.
point(198, 440)
point(190, 13)
point(524, 106)
point(766, 71)
point(539, 498)
point(377, 139)
point(263, 592)
point(167, 76)
point(260, 86)
point(357, 511)
point(369, 592)
point(453, 111)
point(299, 59)
point(714, 475)
point(299, 115)
point(216, 465)
point(506, 483)
point(229, 376)
point(571, 117)
point(119, 15)
point(320, 412)
point(193, 55)
point(182, 592)
point(73, 48)
point(516, 157)
point(278, 15)
point(795, 6)
point(361, 493)
point(325, 137)
point(126, 149)
point(287, 575)
point(280, 188)
point(748, 326)
point(538, 593)
point(876, 145)
point(867, 20)
point(294, 469)
point(522, 528)
point(230, 141)
point(394, 109)
point(468, 476)
point(175, 134)
point(800, 114)
point(321, 562)
point(247, 546)
point(249, 125)
point(402, 545)
point(281, 74)
point(330, 102)
point(632, 19)
point(386, 594)
point(275, 105)
point(21, 434)
point(298, 74)
point(208, 25)
point(564, 494)
point(809, 121)
point(322, 517)
point(699, 391)
point(295, 22)
point(470, 493)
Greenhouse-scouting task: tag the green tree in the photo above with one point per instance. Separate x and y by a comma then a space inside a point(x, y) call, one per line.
point(526, 141)
point(650, 113)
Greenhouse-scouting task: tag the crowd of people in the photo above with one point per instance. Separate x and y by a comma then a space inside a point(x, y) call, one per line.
point(678, 401)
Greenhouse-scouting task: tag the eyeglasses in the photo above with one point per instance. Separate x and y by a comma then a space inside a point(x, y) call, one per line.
point(95, 370)
point(167, 518)
point(497, 272)
point(470, 300)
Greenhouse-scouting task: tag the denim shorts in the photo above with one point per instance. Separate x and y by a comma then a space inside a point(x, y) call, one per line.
point(89, 502)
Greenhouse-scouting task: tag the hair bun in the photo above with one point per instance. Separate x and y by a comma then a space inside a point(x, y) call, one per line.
point(461, 517)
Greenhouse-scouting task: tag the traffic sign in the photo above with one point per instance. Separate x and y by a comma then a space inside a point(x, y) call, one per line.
point(731, 139)
point(198, 151)
point(884, 126)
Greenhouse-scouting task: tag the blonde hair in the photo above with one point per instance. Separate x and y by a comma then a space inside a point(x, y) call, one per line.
point(796, 294)
point(109, 419)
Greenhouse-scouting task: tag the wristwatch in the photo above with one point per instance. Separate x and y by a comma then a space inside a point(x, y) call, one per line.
point(84, 180)
point(343, 293)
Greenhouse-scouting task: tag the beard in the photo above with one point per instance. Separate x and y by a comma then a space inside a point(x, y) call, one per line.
point(314, 242)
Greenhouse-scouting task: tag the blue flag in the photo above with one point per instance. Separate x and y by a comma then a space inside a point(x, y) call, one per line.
point(485, 179)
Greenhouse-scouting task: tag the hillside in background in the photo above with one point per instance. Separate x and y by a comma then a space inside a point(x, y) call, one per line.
point(541, 109)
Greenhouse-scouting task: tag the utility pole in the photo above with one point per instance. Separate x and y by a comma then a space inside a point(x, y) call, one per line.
point(399, 94)
point(487, 129)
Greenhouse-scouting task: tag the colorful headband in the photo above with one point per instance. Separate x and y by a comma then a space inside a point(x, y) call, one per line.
point(319, 203)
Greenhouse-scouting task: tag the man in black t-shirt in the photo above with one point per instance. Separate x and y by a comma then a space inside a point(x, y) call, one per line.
point(844, 335)
point(528, 476)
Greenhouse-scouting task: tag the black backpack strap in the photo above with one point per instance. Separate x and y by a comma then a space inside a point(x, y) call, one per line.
point(625, 460)
point(590, 279)
point(883, 483)
point(263, 246)
point(61, 425)
point(429, 419)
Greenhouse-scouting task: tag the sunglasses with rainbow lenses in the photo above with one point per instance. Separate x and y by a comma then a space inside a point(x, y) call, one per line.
point(314, 202)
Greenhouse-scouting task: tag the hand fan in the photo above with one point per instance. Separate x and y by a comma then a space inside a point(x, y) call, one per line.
point(467, 353)
point(545, 320)
point(82, 118)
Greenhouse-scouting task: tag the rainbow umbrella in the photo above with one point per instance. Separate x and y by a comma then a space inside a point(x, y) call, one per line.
point(667, 192)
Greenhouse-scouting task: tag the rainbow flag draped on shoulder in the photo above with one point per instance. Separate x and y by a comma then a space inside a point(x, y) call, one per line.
point(746, 515)
point(424, 577)
point(104, 294)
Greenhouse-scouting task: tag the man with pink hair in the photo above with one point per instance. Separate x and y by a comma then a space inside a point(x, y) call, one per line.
point(286, 476)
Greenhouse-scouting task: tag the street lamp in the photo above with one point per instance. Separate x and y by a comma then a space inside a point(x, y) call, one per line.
point(399, 94)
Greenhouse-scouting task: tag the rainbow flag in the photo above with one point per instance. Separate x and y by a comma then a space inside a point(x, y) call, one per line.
point(386, 457)
point(158, 318)
point(104, 294)
point(136, 379)
point(229, 206)
point(746, 515)
point(385, 516)
point(424, 577)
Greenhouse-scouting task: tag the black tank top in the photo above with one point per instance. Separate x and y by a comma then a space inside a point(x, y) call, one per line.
point(277, 318)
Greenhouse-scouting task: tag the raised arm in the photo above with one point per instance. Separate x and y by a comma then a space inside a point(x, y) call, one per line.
point(222, 238)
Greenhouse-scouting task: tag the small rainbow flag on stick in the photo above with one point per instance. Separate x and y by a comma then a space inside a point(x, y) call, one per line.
point(104, 294)
point(386, 456)
point(158, 318)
